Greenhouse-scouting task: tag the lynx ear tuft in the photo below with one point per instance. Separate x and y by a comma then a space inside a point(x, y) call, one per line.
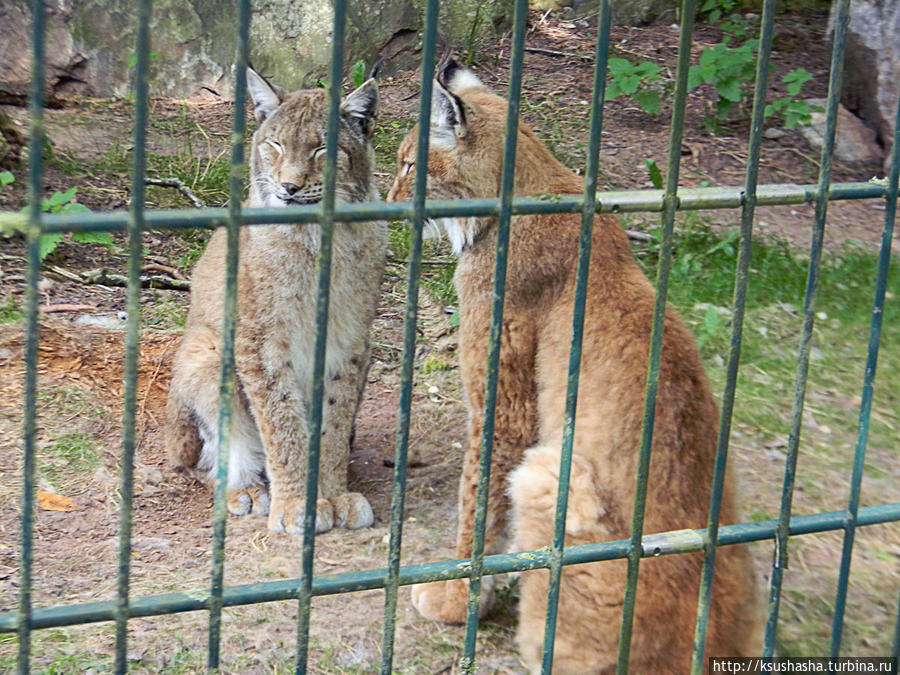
point(266, 96)
point(361, 107)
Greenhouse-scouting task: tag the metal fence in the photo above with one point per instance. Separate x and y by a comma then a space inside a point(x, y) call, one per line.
point(27, 619)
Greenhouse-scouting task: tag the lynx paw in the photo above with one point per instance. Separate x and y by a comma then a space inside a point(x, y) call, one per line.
point(286, 515)
point(446, 600)
point(251, 499)
point(352, 510)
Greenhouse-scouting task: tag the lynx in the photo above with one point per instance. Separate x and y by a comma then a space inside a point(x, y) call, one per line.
point(274, 340)
point(465, 160)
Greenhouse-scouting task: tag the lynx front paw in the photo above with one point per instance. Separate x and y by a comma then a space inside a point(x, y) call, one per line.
point(352, 510)
point(251, 499)
point(286, 515)
point(446, 600)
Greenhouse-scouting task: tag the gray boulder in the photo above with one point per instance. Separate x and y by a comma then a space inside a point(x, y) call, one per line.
point(854, 141)
point(872, 65)
point(90, 43)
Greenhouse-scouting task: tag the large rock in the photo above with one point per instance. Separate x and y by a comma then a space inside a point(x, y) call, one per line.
point(855, 142)
point(872, 65)
point(90, 43)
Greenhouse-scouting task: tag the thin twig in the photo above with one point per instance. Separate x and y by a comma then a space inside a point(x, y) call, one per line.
point(49, 309)
point(556, 52)
point(166, 269)
point(178, 185)
point(106, 278)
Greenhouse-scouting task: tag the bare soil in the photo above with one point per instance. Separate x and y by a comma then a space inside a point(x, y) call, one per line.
point(80, 383)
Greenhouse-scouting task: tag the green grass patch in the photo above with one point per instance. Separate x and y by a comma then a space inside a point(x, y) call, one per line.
point(701, 288)
point(11, 311)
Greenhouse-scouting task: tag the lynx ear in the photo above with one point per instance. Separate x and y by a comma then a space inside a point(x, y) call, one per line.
point(361, 107)
point(266, 97)
point(456, 78)
point(448, 119)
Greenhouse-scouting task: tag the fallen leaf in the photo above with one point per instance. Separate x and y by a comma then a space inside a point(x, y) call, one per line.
point(54, 502)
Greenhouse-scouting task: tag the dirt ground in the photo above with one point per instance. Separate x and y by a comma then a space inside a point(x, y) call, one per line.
point(81, 392)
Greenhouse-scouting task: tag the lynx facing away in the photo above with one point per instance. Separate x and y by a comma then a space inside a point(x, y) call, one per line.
point(277, 288)
point(465, 160)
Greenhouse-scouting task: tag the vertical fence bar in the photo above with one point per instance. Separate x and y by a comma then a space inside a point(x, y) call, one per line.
point(229, 321)
point(895, 648)
point(326, 222)
point(490, 394)
point(132, 333)
point(782, 532)
point(741, 277)
point(584, 259)
point(398, 493)
point(865, 408)
point(670, 204)
point(33, 240)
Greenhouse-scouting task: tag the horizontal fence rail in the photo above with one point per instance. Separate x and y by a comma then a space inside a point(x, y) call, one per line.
point(417, 212)
point(652, 545)
point(625, 201)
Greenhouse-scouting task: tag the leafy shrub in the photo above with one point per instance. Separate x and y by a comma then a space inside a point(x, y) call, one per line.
point(632, 80)
point(61, 202)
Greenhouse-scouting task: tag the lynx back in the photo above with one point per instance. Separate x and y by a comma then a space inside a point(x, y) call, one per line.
point(465, 160)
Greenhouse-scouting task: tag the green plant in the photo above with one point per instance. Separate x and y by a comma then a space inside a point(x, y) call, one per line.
point(633, 80)
point(63, 202)
point(473, 32)
point(733, 22)
point(358, 73)
point(730, 70)
point(795, 111)
point(655, 174)
point(11, 311)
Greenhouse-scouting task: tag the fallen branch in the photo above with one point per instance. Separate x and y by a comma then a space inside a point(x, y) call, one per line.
point(556, 52)
point(178, 185)
point(49, 309)
point(173, 272)
point(106, 278)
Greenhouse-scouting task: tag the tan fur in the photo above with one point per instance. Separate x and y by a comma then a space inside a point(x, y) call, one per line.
point(277, 290)
point(534, 356)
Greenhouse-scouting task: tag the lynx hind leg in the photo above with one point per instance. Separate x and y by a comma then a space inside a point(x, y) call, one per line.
point(193, 425)
point(192, 385)
point(586, 626)
point(182, 437)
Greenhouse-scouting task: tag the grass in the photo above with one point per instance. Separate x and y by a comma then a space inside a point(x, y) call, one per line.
point(11, 311)
point(701, 289)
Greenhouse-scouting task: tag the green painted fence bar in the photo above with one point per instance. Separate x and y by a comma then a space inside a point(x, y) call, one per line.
point(741, 279)
point(323, 262)
point(584, 259)
point(29, 414)
point(132, 334)
point(398, 493)
point(865, 408)
point(490, 395)
point(689, 199)
point(684, 541)
point(780, 559)
point(229, 322)
point(670, 204)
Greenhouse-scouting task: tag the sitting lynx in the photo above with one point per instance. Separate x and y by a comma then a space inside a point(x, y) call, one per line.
point(465, 160)
point(277, 288)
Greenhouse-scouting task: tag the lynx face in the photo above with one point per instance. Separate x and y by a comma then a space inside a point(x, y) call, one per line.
point(288, 151)
point(465, 150)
